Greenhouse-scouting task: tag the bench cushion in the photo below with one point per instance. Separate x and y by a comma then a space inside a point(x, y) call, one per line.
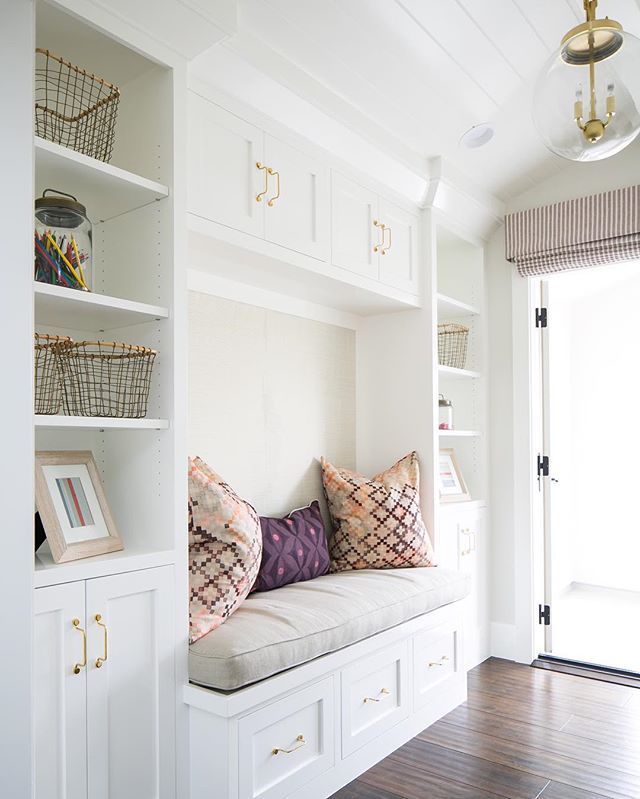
point(276, 630)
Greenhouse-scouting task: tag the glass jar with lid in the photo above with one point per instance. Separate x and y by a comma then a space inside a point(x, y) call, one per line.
point(63, 236)
point(445, 413)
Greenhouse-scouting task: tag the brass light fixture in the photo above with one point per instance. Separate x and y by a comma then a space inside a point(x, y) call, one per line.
point(599, 59)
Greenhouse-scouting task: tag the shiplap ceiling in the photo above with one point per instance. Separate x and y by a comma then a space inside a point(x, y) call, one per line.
point(413, 75)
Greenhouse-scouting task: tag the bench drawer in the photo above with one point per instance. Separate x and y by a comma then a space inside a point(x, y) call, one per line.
point(435, 658)
point(286, 744)
point(374, 696)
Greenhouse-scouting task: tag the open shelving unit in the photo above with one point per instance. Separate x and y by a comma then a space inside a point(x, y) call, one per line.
point(130, 203)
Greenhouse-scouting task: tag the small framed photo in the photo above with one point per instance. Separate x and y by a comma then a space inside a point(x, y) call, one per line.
point(452, 485)
point(72, 506)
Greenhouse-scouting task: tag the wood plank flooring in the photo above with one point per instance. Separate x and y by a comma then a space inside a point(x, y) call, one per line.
point(524, 733)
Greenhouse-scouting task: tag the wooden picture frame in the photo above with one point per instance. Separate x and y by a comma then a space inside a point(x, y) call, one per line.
point(73, 507)
point(451, 482)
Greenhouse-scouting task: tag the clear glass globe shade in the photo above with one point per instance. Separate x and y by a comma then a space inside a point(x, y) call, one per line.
point(560, 84)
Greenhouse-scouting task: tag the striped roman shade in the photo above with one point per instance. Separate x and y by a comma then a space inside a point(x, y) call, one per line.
point(590, 231)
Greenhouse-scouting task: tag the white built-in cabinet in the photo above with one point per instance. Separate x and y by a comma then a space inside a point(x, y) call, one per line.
point(293, 206)
point(372, 236)
point(243, 177)
point(104, 688)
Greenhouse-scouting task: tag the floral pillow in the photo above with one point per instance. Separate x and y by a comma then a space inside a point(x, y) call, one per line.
point(225, 545)
point(377, 522)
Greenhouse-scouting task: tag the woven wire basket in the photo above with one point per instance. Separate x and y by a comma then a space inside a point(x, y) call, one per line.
point(453, 340)
point(47, 352)
point(73, 107)
point(106, 378)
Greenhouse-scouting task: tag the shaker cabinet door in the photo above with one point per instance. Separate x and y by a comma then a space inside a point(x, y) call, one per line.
point(297, 203)
point(399, 263)
point(130, 687)
point(355, 238)
point(224, 179)
point(60, 692)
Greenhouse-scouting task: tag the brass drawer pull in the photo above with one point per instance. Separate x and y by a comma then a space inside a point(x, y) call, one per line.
point(77, 668)
point(103, 659)
point(440, 662)
point(272, 200)
point(384, 693)
point(379, 247)
point(301, 742)
point(266, 182)
point(385, 249)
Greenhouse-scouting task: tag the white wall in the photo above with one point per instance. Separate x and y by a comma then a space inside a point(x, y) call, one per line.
point(571, 180)
point(269, 393)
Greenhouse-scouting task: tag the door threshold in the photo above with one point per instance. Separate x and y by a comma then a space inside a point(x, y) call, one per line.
point(591, 671)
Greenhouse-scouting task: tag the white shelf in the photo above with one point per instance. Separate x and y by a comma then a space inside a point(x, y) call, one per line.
point(82, 310)
point(450, 308)
point(131, 558)
point(98, 423)
point(106, 190)
point(459, 433)
point(449, 372)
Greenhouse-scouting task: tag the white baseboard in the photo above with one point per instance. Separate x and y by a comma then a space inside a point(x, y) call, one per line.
point(503, 640)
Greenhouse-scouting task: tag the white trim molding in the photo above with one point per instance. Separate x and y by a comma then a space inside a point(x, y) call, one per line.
point(503, 641)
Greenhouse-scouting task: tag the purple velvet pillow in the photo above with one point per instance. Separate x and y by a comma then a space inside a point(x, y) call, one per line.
point(293, 549)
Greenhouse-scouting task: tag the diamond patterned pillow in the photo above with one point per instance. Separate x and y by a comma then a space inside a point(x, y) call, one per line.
point(377, 522)
point(225, 546)
point(293, 549)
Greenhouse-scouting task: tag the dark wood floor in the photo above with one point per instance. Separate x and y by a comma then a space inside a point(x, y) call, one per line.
point(524, 733)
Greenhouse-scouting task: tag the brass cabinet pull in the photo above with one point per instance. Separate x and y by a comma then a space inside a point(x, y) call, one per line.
point(384, 693)
point(266, 182)
point(379, 247)
point(440, 662)
point(271, 201)
point(100, 661)
point(385, 249)
point(77, 668)
point(301, 742)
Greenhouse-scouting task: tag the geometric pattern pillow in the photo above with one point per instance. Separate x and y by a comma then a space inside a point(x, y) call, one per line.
point(293, 549)
point(377, 522)
point(225, 545)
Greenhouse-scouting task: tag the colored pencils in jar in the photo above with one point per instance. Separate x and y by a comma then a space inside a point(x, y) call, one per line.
point(59, 262)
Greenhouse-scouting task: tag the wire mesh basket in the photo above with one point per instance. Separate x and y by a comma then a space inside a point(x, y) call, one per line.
point(106, 378)
point(453, 341)
point(46, 363)
point(73, 107)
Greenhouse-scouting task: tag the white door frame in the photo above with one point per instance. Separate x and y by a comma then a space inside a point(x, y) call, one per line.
point(527, 442)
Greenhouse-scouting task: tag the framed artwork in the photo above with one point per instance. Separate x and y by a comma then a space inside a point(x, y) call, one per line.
point(72, 506)
point(452, 485)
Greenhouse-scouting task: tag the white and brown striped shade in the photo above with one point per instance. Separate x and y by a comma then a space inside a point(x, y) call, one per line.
point(590, 231)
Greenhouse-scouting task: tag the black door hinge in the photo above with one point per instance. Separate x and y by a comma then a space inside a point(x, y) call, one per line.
point(542, 317)
point(544, 615)
point(543, 466)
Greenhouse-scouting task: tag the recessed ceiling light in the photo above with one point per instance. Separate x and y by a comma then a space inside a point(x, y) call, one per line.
point(477, 136)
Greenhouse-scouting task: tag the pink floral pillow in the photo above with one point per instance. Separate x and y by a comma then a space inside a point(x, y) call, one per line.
point(377, 521)
point(225, 547)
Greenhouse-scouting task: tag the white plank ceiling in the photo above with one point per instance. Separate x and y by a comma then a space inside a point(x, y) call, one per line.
point(412, 75)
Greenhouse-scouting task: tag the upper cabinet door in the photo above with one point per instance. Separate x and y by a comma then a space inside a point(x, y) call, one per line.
point(224, 178)
point(354, 236)
point(297, 203)
point(130, 687)
point(399, 257)
point(60, 693)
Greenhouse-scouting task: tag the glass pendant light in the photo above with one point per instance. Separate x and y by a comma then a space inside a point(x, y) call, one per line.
point(587, 97)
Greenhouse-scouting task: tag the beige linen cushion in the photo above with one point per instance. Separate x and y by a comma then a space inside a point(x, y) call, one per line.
point(276, 630)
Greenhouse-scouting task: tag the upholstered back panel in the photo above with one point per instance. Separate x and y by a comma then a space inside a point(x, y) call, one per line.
point(269, 393)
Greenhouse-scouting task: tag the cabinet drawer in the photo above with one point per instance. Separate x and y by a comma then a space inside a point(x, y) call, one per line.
point(373, 696)
point(286, 744)
point(435, 658)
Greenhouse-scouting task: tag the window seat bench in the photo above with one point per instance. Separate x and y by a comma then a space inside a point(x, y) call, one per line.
point(306, 686)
